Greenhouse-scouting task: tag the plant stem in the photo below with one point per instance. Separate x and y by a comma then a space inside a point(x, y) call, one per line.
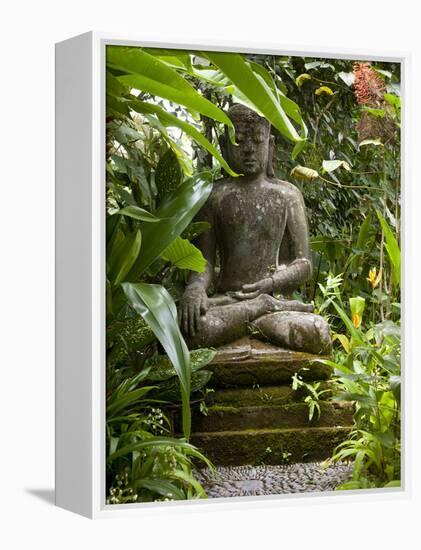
point(350, 186)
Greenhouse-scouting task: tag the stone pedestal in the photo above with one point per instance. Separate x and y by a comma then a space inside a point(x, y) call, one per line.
point(254, 416)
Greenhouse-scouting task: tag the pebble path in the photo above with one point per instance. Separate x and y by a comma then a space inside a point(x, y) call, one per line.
point(237, 481)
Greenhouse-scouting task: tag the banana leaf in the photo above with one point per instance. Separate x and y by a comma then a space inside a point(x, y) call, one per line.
point(175, 213)
point(156, 306)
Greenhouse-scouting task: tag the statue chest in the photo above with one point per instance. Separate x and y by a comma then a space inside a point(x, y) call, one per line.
point(244, 215)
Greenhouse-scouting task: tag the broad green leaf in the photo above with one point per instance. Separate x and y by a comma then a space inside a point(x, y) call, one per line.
point(242, 76)
point(149, 74)
point(364, 232)
point(348, 323)
point(213, 76)
point(156, 306)
point(175, 214)
point(138, 213)
point(184, 255)
point(263, 73)
point(161, 486)
point(298, 148)
point(175, 58)
point(303, 172)
point(153, 441)
point(115, 95)
point(170, 120)
point(189, 479)
point(123, 255)
point(168, 174)
point(116, 106)
point(331, 165)
point(114, 87)
point(363, 236)
point(115, 406)
point(392, 248)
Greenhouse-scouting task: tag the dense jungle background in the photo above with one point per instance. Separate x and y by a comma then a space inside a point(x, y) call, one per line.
point(336, 126)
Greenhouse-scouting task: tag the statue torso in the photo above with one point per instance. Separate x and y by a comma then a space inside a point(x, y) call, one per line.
point(250, 221)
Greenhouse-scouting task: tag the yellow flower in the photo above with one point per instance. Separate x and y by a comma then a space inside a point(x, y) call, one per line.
point(356, 320)
point(374, 277)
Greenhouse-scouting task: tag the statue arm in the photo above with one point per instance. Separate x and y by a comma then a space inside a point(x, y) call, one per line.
point(194, 302)
point(299, 269)
point(206, 242)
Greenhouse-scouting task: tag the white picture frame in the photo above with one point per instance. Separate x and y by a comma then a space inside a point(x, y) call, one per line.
point(80, 277)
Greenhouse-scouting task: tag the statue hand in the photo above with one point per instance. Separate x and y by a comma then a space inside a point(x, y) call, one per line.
point(250, 291)
point(194, 303)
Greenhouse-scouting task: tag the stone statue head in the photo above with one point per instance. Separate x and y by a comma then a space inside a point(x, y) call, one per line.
point(253, 154)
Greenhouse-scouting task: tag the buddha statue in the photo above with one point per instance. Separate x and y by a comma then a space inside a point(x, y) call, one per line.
point(257, 253)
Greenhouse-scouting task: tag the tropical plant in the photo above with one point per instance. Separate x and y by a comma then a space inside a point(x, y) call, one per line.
point(336, 129)
point(143, 461)
point(368, 374)
point(314, 392)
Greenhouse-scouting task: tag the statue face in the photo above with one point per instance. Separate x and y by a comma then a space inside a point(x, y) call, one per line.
point(250, 156)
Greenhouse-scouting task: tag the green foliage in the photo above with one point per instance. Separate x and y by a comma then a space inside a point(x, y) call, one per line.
point(148, 73)
point(166, 110)
point(313, 396)
point(175, 213)
point(170, 120)
point(368, 374)
point(392, 248)
point(184, 255)
point(156, 306)
point(260, 92)
point(143, 462)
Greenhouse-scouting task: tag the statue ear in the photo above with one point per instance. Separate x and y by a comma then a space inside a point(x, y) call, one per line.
point(269, 168)
point(223, 145)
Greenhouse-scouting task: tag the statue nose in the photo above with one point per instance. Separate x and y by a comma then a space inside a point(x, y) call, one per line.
point(248, 147)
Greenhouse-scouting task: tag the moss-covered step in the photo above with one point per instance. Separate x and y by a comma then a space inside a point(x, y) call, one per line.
point(250, 362)
point(269, 446)
point(260, 395)
point(292, 415)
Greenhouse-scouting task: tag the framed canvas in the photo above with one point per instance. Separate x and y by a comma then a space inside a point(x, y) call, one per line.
point(229, 226)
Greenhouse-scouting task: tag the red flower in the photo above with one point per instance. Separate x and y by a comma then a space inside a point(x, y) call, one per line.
point(369, 87)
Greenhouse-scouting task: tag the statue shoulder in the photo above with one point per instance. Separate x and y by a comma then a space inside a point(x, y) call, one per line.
point(219, 188)
point(211, 204)
point(288, 188)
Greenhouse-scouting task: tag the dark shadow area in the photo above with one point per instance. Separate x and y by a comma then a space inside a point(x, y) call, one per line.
point(47, 495)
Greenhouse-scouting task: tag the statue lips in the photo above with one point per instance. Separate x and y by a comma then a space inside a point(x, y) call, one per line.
point(250, 163)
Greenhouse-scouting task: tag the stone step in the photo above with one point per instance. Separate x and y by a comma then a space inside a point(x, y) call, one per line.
point(261, 395)
point(269, 446)
point(249, 362)
point(293, 415)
